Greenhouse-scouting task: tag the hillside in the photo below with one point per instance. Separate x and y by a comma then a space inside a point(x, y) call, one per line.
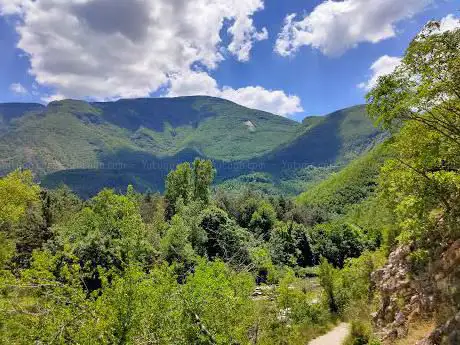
point(350, 186)
point(138, 141)
point(10, 111)
point(75, 134)
point(329, 143)
point(335, 138)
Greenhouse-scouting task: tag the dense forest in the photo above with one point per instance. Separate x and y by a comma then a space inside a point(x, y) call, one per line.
point(200, 264)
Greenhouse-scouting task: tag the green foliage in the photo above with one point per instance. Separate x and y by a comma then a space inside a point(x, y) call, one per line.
point(360, 334)
point(245, 210)
point(218, 298)
point(290, 244)
point(20, 203)
point(266, 271)
point(188, 184)
point(294, 318)
point(176, 245)
point(299, 303)
point(337, 241)
point(179, 185)
point(60, 204)
point(39, 307)
point(419, 259)
point(327, 279)
point(203, 176)
point(351, 185)
point(17, 192)
point(263, 220)
point(152, 209)
point(421, 182)
point(424, 88)
point(224, 239)
point(6, 250)
point(354, 286)
point(144, 308)
point(107, 234)
point(190, 215)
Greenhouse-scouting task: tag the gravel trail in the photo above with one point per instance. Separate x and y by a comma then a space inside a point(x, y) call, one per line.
point(334, 337)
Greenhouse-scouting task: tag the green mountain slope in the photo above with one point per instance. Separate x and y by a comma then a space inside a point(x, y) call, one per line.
point(349, 186)
point(329, 143)
point(11, 111)
point(75, 134)
point(92, 145)
point(333, 139)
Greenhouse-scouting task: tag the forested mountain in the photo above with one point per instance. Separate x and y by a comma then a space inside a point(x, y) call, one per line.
point(138, 141)
point(72, 134)
point(11, 111)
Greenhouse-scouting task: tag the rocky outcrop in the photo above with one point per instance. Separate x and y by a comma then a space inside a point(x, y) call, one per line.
point(448, 333)
point(403, 298)
point(406, 297)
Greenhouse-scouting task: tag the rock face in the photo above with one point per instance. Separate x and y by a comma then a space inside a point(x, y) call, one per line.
point(407, 297)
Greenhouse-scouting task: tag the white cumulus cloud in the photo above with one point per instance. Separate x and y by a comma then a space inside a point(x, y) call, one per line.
point(8, 7)
point(387, 64)
point(383, 66)
point(449, 23)
point(256, 97)
point(18, 88)
point(105, 49)
point(336, 26)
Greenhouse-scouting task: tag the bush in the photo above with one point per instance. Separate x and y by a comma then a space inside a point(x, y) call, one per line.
point(360, 334)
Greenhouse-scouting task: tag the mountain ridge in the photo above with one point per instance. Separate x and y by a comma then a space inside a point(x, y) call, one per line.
point(126, 138)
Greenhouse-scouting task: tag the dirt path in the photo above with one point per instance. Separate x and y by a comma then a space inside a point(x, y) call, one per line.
point(334, 337)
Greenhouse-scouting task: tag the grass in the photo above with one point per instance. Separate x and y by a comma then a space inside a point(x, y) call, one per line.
point(417, 331)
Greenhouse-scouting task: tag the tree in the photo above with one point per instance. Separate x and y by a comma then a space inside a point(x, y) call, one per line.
point(178, 185)
point(225, 239)
point(263, 220)
point(19, 196)
point(175, 245)
point(17, 192)
point(219, 299)
point(246, 206)
point(187, 184)
point(421, 181)
point(108, 234)
point(290, 245)
point(337, 241)
point(327, 280)
point(203, 176)
point(145, 308)
point(266, 272)
point(191, 217)
point(426, 86)
point(35, 227)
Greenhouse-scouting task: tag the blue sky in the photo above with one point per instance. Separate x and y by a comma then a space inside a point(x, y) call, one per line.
point(103, 50)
